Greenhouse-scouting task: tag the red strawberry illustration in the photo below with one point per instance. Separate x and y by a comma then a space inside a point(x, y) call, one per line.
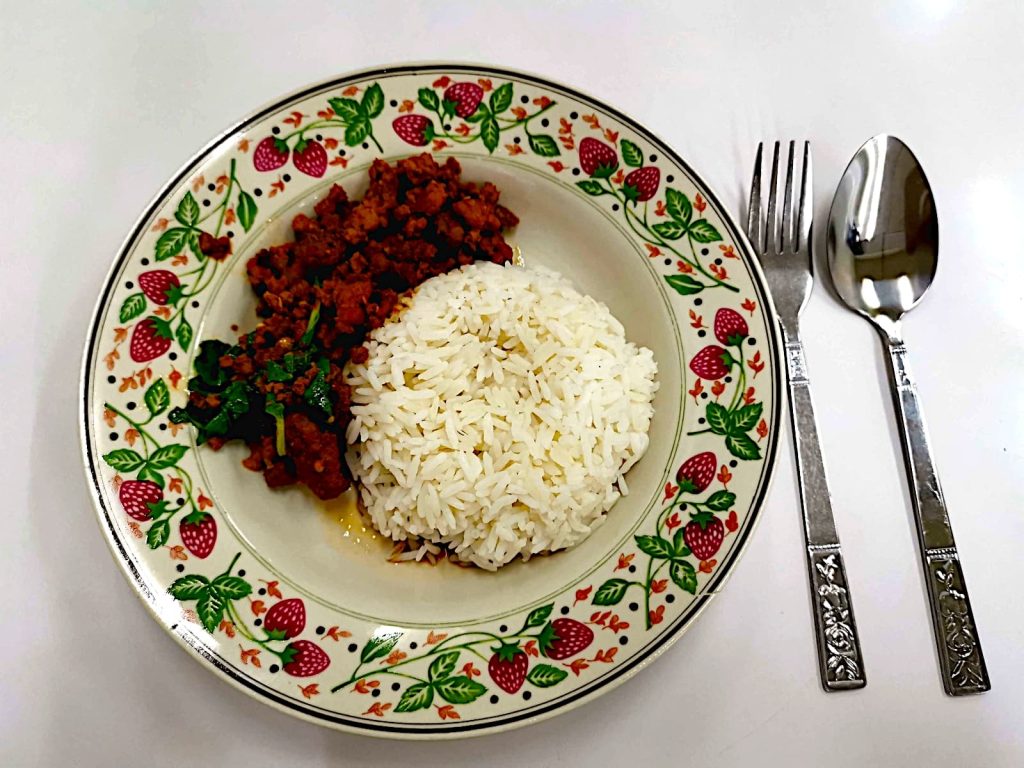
point(711, 363)
point(304, 659)
point(285, 619)
point(696, 473)
point(414, 129)
point(270, 154)
point(642, 184)
point(703, 535)
point(310, 157)
point(150, 339)
point(508, 667)
point(160, 286)
point(467, 97)
point(597, 158)
point(566, 638)
point(198, 532)
point(730, 327)
point(137, 495)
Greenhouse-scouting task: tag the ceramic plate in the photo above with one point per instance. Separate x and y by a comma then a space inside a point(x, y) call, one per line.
point(406, 649)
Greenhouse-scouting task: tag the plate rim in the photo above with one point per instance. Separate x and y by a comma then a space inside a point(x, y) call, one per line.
point(187, 639)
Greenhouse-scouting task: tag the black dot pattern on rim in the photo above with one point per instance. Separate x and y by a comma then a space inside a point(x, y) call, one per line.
point(751, 341)
point(195, 305)
point(258, 622)
point(703, 395)
point(516, 140)
point(231, 233)
point(375, 693)
point(211, 186)
point(670, 598)
point(623, 640)
point(503, 628)
point(241, 573)
point(163, 427)
point(668, 262)
point(494, 699)
point(733, 463)
point(258, 192)
point(130, 406)
point(206, 203)
point(718, 262)
point(702, 333)
point(698, 302)
point(702, 420)
point(274, 669)
point(352, 647)
point(275, 130)
point(320, 630)
point(615, 206)
point(366, 145)
point(704, 251)
point(341, 153)
point(111, 379)
point(682, 507)
point(525, 99)
point(394, 104)
point(179, 567)
point(396, 686)
point(670, 178)
point(634, 607)
point(653, 158)
point(564, 610)
point(173, 356)
point(261, 591)
point(413, 646)
point(728, 379)
point(113, 435)
point(286, 178)
point(180, 502)
point(575, 171)
point(545, 122)
point(574, 115)
point(527, 695)
point(632, 569)
point(129, 285)
point(447, 127)
point(319, 137)
point(144, 262)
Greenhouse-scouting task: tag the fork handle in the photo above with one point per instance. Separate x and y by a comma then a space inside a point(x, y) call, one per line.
point(961, 661)
point(837, 640)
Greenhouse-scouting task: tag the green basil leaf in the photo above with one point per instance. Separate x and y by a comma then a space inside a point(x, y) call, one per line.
point(443, 665)
point(501, 99)
point(157, 397)
point(678, 206)
point(132, 307)
point(742, 447)
point(702, 232)
point(123, 460)
point(348, 110)
point(684, 284)
point(631, 154)
point(684, 576)
point(188, 211)
point(416, 696)
point(189, 587)
point(210, 609)
point(167, 456)
point(246, 210)
point(379, 646)
point(171, 242)
point(670, 230)
point(545, 675)
point(276, 410)
point(373, 100)
point(657, 547)
point(314, 318)
point(545, 146)
point(459, 690)
point(490, 133)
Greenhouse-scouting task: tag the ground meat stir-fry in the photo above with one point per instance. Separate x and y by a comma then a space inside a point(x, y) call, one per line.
point(280, 388)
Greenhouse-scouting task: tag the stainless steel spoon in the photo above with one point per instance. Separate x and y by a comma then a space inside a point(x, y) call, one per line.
point(883, 248)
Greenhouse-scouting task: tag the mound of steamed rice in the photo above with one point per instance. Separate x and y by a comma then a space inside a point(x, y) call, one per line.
point(497, 415)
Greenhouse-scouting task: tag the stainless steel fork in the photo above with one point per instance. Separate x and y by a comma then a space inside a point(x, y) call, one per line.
point(785, 255)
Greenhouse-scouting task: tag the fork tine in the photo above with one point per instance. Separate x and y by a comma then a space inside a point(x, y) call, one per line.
point(771, 222)
point(754, 208)
point(806, 200)
point(788, 213)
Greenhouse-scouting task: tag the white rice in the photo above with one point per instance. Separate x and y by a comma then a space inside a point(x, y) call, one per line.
point(497, 415)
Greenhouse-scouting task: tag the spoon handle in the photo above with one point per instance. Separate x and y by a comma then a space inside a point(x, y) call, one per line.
point(960, 658)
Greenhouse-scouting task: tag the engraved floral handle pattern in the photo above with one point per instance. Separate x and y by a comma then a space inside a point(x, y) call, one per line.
point(960, 657)
point(835, 630)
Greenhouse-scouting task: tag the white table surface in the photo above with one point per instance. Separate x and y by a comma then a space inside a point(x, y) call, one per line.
point(99, 106)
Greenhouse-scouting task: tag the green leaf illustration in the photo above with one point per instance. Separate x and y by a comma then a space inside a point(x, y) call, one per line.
point(655, 546)
point(416, 696)
point(490, 133)
point(481, 112)
point(148, 473)
point(428, 99)
point(746, 418)
point(702, 232)
point(544, 146)
point(158, 534)
point(189, 587)
point(742, 447)
point(545, 675)
point(348, 110)
point(720, 501)
point(538, 616)
point(192, 239)
point(718, 418)
point(670, 230)
point(373, 100)
point(184, 333)
point(157, 397)
point(678, 206)
point(684, 575)
point(167, 456)
point(123, 460)
point(132, 307)
point(684, 284)
point(501, 99)
point(246, 210)
point(459, 690)
point(379, 646)
point(188, 210)
point(357, 132)
point(679, 544)
point(171, 242)
point(210, 609)
point(592, 188)
point(611, 592)
point(631, 154)
point(444, 665)
point(231, 587)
